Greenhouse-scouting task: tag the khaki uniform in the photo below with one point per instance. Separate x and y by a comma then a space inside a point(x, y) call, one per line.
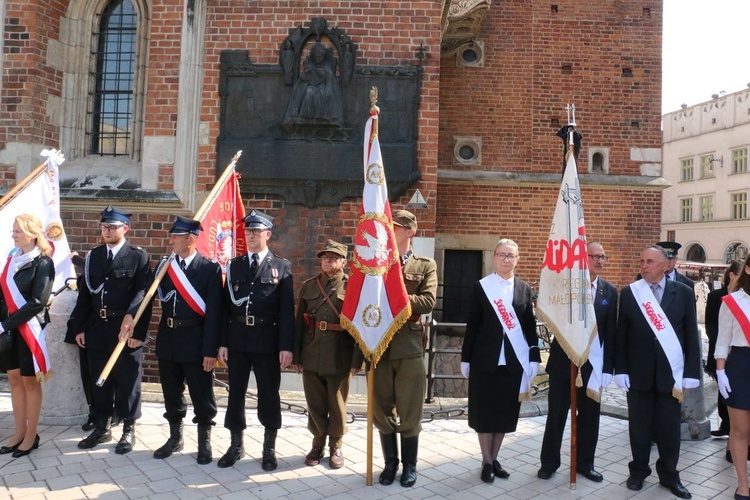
point(326, 353)
point(400, 373)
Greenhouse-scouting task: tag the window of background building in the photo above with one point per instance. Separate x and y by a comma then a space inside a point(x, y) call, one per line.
point(686, 169)
point(461, 269)
point(739, 161)
point(707, 208)
point(686, 210)
point(735, 251)
point(738, 206)
point(696, 253)
point(707, 166)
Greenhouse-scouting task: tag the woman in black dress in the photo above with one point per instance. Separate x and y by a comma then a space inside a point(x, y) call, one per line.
point(32, 271)
point(500, 355)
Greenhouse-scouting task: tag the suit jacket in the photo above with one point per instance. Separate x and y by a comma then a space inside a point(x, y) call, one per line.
point(686, 281)
point(713, 304)
point(191, 343)
point(485, 335)
point(271, 302)
point(605, 307)
point(125, 283)
point(34, 281)
point(638, 352)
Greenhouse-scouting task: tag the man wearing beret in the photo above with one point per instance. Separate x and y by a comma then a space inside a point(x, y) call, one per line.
point(258, 336)
point(116, 276)
point(325, 353)
point(188, 339)
point(400, 374)
point(672, 247)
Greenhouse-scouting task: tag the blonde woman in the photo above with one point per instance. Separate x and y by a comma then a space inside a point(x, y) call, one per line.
point(27, 280)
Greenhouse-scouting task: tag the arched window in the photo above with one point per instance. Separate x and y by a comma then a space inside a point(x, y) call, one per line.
point(735, 251)
point(597, 162)
point(696, 253)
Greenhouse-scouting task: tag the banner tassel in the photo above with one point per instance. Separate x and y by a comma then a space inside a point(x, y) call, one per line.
point(579, 378)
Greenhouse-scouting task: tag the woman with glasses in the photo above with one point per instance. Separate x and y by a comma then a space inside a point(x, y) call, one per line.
point(24, 292)
point(500, 355)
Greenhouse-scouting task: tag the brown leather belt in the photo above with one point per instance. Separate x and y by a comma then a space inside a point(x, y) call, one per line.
point(324, 326)
point(250, 320)
point(177, 323)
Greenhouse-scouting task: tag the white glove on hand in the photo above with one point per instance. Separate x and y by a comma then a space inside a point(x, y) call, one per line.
point(606, 379)
point(622, 380)
point(690, 383)
point(723, 382)
point(465, 369)
point(534, 366)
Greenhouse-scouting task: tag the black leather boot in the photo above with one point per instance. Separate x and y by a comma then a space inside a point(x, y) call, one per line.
point(101, 434)
point(90, 423)
point(409, 448)
point(126, 442)
point(175, 442)
point(234, 452)
point(390, 455)
point(204, 444)
point(269, 462)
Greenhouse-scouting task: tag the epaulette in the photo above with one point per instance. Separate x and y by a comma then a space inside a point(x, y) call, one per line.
point(311, 279)
point(140, 249)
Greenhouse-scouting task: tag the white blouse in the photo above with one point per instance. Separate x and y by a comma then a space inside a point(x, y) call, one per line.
point(730, 332)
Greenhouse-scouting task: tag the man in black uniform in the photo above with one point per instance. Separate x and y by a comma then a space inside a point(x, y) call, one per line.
point(604, 296)
point(115, 278)
point(188, 340)
point(672, 247)
point(259, 335)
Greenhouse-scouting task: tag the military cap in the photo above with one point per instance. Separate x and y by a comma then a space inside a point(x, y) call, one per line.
point(183, 225)
point(334, 247)
point(115, 216)
point(671, 247)
point(406, 219)
point(258, 220)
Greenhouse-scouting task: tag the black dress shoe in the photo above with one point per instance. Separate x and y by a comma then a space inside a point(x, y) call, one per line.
point(4, 450)
point(488, 475)
point(728, 457)
point(591, 475)
point(22, 453)
point(89, 425)
point(635, 484)
point(737, 496)
point(499, 471)
point(720, 432)
point(677, 489)
point(544, 473)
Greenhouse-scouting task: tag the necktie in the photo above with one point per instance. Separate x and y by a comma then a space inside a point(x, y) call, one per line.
point(110, 257)
point(668, 276)
point(593, 292)
point(254, 265)
point(657, 292)
point(181, 262)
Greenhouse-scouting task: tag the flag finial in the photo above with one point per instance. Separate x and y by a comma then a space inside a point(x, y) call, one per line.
point(374, 110)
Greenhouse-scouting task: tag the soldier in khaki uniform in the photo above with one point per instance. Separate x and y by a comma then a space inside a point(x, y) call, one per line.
point(400, 373)
point(325, 353)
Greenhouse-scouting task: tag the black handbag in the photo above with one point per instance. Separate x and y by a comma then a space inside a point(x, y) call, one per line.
point(6, 341)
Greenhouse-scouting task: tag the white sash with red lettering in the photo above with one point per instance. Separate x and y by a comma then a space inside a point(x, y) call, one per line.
point(663, 331)
point(512, 328)
point(32, 332)
point(184, 288)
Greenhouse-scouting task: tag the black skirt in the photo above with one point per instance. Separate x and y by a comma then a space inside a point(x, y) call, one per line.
point(738, 373)
point(19, 356)
point(493, 400)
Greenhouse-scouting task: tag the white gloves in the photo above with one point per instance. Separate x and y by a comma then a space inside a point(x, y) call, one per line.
point(606, 379)
point(622, 380)
point(690, 383)
point(723, 383)
point(534, 366)
point(465, 369)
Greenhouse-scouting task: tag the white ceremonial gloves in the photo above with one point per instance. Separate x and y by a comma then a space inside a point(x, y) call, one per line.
point(723, 382)
point(534, 366)
point(690, 383)
point(606, 379)
point(465, 369)
point(622, 380)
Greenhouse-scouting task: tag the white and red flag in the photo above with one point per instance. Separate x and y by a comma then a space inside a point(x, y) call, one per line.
point(223, 237)
point(565, 303)
point(376, 304)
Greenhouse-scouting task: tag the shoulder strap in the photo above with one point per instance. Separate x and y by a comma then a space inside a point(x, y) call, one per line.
point(327, 297)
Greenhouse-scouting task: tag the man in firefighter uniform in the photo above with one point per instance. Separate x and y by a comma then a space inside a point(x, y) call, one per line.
point(115, 277)
point(259, 336)
point(400, 373)
point(325, 353)
point(188, 339)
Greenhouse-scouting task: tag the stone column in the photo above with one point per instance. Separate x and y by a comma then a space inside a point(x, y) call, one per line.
point(695, 426)
point(63, 402)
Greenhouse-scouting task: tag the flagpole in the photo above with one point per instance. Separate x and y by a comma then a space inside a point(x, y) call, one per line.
point(573, 426)
point(21, 185)
point(370, 418)
point(157, 279)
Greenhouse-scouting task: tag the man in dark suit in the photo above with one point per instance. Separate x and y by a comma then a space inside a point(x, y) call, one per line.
point(656, 369)
point(672, 247)
point(188, 339)
point(259, 335)
point(115, 277)
point(604, 295)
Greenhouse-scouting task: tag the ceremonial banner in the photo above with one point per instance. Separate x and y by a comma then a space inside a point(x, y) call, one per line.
point(223, 237)
point(565, 303)
point(39, 194)
point(376, 304)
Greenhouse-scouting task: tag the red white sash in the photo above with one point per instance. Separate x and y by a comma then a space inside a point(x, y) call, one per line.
point(32, 332)
point(663, 331)
point(741, 311)
point(512, 328)
point(185, 289)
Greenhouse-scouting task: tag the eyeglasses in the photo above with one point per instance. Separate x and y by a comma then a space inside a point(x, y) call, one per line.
point(602, 257)
point(506, 256)
point(255, 231)
point(330, 256)
point(109, 228)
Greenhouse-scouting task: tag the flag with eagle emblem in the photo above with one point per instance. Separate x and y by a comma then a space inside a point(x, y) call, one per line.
point(376, 304)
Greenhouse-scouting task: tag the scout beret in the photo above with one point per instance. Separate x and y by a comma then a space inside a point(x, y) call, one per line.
point(406, 219)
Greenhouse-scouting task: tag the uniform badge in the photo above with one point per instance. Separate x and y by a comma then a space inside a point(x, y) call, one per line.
point(275, 273)
point(236, 287)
